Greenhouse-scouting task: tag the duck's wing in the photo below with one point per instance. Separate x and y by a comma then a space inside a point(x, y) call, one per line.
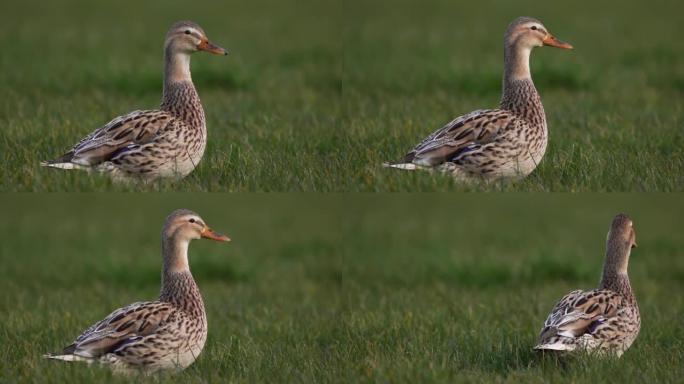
point(577, 314)
point(123, 326)
point(136, 127)
point(478, 127)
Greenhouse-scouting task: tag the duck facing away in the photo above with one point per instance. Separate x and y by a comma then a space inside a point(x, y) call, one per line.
point(168, 333)
point(495, 143)
point(606, 319)
point(151, 144)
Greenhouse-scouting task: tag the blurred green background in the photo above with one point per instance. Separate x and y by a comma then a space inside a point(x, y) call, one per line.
point(69, 66)
point(613, 104)
point(343, 288)
point(441, 288)
point(271, 295)
point(316, 95)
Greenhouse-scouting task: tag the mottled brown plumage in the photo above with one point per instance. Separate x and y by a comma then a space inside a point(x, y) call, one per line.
point(604, 320)
point(168, 333)
point(506, 142)
point(151, 144)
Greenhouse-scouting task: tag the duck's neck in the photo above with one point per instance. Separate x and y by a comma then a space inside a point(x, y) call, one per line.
point(178, 286)
point(617, 282)
point(180, 97)
point(516, 63)
point(176, 67)
point(614, 275)
point(519, 94)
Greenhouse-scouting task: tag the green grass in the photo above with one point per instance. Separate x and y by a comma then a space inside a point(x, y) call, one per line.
point(271, 295)
point(613, 104)
point(381, 288)
point(271, 104)
point(315, 95)
point(447, 289)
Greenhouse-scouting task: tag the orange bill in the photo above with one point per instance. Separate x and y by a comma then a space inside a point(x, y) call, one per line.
point(207, 233)
point(208, 46)
point(551, 41)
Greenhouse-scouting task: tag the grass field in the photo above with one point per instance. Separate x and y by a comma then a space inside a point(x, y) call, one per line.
point(315, 95)
point(271, 104)
point(613, 104)
point(271, 295)
point(382, 288)
point(444, 289)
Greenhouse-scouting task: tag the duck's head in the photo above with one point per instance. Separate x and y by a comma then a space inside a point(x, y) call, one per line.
point(527, 33)
point(188, 37)
point(622, 231)
point(184, 225)
point(619, 243)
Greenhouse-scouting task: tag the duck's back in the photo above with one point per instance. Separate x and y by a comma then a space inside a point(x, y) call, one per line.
point(600, 319)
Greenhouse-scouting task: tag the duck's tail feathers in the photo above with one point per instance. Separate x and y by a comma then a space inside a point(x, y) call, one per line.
point(558, 346)
point(404, 166)
point(63, 165)
point(68, 357)
point(66, 161)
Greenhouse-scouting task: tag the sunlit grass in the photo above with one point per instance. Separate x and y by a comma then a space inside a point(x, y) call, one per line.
point(613, 104)
point(272, 104)
point(315, 96)
point(342, 288)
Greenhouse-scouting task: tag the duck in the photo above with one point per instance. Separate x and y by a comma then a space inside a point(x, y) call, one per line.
point(149, 336)
point(605, 320)
point(151, 144)
point(506, 142)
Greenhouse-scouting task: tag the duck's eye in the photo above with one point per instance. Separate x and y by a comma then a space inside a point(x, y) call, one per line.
point(187, 31)
point(192, 220)
point(534, 28)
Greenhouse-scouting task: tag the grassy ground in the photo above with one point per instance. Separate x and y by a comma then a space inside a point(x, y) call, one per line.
point(381, 288)
point(613, 104)
point(456, 290)
point(271, 295)
point(271, 105)
point(316, 95)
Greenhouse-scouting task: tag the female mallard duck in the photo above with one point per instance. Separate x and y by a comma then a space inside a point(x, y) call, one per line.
point(494, 143)
point(168, 142)
point(163, 334)
point(604, 320)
